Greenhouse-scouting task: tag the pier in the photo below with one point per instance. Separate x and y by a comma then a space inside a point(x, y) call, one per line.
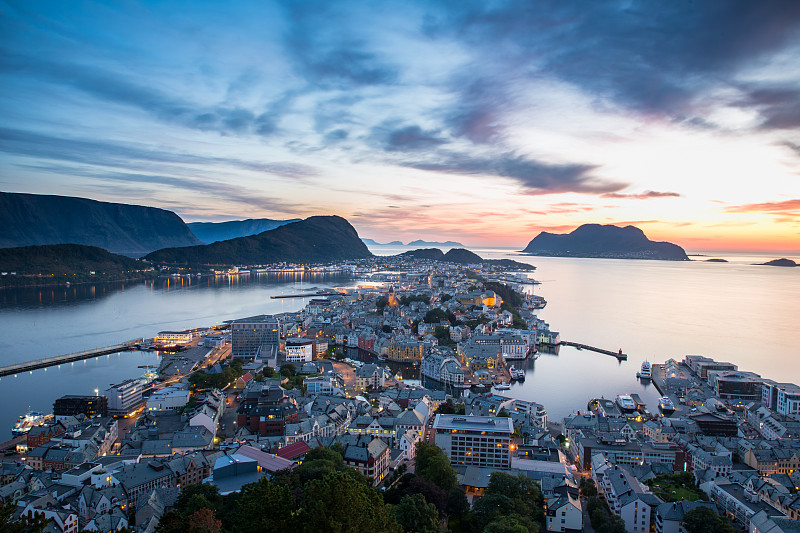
point(619, 355)
point(36, 364)
point(307, 295)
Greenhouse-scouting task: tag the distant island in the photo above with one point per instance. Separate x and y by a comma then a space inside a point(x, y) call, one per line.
point(445, 244)
point(35, 219)
point(210, 232)
point(783, 262)
point(370, 242)
point(604, 241)
point(716, 260)
point(316, 239)
point(464, 257)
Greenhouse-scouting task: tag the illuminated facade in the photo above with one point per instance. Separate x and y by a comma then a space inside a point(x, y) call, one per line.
point(475, 440)
point(254, 337)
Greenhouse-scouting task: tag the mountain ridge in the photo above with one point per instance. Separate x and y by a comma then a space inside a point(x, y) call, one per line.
point(211, 232)
point(315, 239)
point(35, 220)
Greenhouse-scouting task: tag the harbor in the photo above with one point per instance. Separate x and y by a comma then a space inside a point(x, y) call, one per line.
point(10, 370)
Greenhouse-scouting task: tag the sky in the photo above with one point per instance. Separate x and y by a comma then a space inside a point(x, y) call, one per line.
point(482, 121)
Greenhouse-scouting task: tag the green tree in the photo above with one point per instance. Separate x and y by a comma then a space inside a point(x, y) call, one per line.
point(612, 524)
point(338, 503)
point(587, 487)
point(261, 495)
point(512, 523)
point(432, 464)
point(509, 495)
point(288, 370)
point(268, 372)
point(705, 520)
point(207, 495)
point(415, 515)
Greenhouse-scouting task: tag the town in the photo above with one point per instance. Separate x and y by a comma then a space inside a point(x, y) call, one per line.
point(410, 363)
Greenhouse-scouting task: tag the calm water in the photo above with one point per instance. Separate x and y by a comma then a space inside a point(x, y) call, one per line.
point(653, 310)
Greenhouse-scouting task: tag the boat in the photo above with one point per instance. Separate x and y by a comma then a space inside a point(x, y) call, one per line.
point(666, 406)
point(645, 372)
point(502, 386)
point(626, 403)
point(26, 422)
point(516, 373)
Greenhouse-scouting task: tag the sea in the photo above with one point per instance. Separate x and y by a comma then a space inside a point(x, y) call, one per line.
point(652, 310)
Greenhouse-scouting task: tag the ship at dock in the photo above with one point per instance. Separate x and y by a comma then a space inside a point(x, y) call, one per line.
point(666, 406)
point(28, 421)
point(646, 371)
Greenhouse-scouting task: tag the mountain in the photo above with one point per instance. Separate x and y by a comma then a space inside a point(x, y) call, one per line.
point(313, 240)
point(33, 219)
point(463, 256)
point(783, 262)
point(451, 244)
point(431, 254)
point(62, 259)
point(370, 242)
point(594, 240)
point(209, 232)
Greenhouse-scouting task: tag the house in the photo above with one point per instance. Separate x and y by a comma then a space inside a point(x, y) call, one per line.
point(369, 376)
point(564, 511)
point(669, 516)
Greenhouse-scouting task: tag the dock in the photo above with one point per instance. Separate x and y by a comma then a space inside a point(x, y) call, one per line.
point(307, 295)
point(36, 364)
point(619, 355)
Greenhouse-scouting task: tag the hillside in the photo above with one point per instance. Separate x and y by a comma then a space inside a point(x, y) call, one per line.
point(782, 262)
point(444, 244)
point(594, 240)
point(209, 232)
point(32, 219)
point(463, 256)
point(313, 240)
point(57, 263)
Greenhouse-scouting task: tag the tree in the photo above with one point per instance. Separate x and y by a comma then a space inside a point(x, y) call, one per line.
point(268, 371)
point(288, 370)
point(338, 503)
point(261, 495)
point(509, 495)
point(587, 487)
point(612, 524)
point(432, 464)
point(203, 521)
point(198, 495)
point(706, 520)
point(416, 515)
point(22, 524)
point(512, 523)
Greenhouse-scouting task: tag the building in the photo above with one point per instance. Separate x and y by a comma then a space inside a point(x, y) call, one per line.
point(564, 511)
point(126, 397)
point(299, 350)
point(71, 405)
point(475, 440)
point(669, 516)
point(700, 365)
point(784, 398)
point(735, 385)
point(627, 498)
point(370, 375)
point(167, 401)
point(255, 337)
point(406, 350)
point(173, 338)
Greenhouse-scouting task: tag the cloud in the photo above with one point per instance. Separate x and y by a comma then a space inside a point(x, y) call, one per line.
point(118, 88)
point(407, 138)
point(787, 208)
point(642, 195)
point(535, 177)
point(103, 153)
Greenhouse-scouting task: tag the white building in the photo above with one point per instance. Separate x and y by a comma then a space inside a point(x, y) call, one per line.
point(564, 511)
point(299, 350)
point(125, 397)
point(167, 401)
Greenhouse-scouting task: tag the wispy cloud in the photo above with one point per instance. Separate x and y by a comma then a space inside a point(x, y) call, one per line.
point(642, 195)
point(786, 208)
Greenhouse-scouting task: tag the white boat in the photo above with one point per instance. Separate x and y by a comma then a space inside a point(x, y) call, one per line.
point(516, 373)
point(26, 422)
point(502, 386)
point(646, 371)
point(626, 403)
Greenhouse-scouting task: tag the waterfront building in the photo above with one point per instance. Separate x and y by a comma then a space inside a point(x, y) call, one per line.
point(173, 338)
point(255, 337)
point(405, 349)
point(784, 398)
point(71, 405)
point(299, 350)
point(700, 365)
point(126, 397)
point(167, 401)
point(475, 440)
point(735, 386)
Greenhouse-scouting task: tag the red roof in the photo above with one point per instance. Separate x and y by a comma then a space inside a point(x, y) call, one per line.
point(294, 451)
point(247, 377)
